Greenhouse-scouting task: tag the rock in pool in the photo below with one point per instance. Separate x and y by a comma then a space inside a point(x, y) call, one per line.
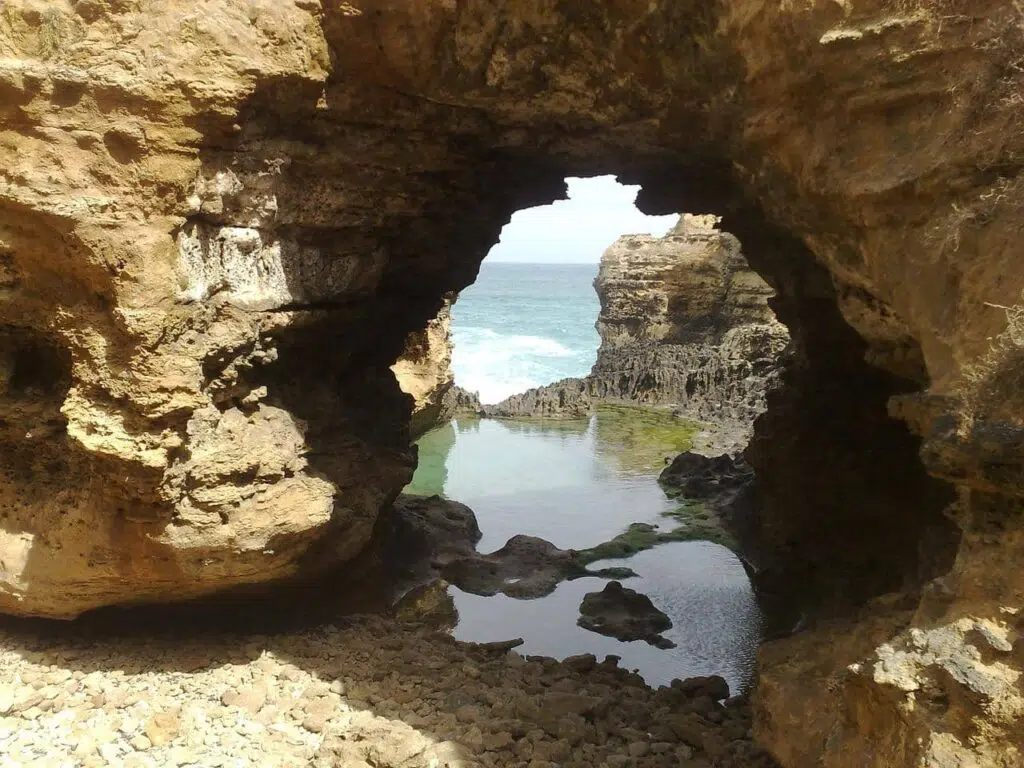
point(624, 614)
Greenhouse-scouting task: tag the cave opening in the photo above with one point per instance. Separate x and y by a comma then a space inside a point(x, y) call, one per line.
point(554, 447)
point(530, 317)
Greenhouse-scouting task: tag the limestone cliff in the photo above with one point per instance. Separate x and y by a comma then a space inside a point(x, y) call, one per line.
point(424, 372)
point(685, 321)
point(219, 221)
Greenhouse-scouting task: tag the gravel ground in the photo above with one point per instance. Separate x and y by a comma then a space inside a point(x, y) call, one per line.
point(366, 691)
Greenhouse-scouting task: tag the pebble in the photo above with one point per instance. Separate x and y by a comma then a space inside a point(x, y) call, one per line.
point(376, 692)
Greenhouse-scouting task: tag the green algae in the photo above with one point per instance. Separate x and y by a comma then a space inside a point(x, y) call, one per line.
point(693, 523)
point(432, 461)
point(640, 438)
point(538, 426)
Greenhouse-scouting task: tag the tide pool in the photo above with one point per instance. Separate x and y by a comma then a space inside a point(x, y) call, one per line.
point(578, 484)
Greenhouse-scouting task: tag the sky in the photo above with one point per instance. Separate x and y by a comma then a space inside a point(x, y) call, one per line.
point(577, 230)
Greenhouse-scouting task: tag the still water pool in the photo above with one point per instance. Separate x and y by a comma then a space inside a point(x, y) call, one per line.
point(578, 484)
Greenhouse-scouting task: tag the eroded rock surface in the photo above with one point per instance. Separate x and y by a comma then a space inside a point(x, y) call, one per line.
point(462, 402)
point(565, 399)
point(424, 372)
point(220, 221)
point(685, 321)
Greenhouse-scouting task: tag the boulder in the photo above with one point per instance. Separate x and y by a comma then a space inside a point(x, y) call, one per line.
point(435, 538)
point(624, 614)
point(526, 567)
point(701, 477)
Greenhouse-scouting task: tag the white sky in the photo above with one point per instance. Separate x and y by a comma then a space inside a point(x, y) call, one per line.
point(577, 230)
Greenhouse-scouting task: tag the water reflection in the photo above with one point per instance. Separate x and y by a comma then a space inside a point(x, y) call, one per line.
point(578, 484)
point(432, 461)
point(701, 586)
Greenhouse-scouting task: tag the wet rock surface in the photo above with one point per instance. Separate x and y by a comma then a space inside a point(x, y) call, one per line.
point(432, 531)
point(703, 478)
point(525, 567)
point(369, 691)
point(437, 538)
point(624, 614)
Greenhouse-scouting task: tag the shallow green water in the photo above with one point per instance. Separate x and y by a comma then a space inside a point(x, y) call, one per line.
point(579, 484)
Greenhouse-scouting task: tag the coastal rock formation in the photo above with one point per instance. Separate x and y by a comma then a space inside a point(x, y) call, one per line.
point(565, 399)
point(459, 401)
point(702, 477)
point(723, 488)
point(219, 221)
point(624, 614)
point(424, 372)
point(685, 321)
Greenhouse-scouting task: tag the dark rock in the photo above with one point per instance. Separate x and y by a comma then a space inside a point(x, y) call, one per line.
point(499, 646)
point(581, 663)
point(434, 538)
point(700, 477)
point(429, 527)
point(689, 729)
point(526, 567)
point(565, 399)
point(713, 686)
point(625, 615)
point(460, 402)
point(736, 702)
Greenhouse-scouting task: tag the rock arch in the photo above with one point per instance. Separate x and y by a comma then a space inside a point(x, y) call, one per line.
point(227, 217)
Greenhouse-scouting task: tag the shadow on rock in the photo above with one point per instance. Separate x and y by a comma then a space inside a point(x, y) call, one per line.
point(363, 691)
point(282, 678)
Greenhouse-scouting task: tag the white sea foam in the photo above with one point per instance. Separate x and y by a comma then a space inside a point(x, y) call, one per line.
point(498, 365)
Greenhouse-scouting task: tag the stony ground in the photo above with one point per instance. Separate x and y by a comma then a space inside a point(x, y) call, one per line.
point(367, 691)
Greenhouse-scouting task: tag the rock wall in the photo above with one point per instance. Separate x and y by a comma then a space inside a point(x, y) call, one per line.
point(220, 220)
point(424, 372)
point(685, 321)
point(565, 399)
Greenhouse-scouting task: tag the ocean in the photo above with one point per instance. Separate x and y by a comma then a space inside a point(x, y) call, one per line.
point(524, 325)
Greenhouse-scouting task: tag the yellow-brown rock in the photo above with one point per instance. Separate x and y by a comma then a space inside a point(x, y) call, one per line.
point(685, 321)
point(424, 372)
point(220, 220)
